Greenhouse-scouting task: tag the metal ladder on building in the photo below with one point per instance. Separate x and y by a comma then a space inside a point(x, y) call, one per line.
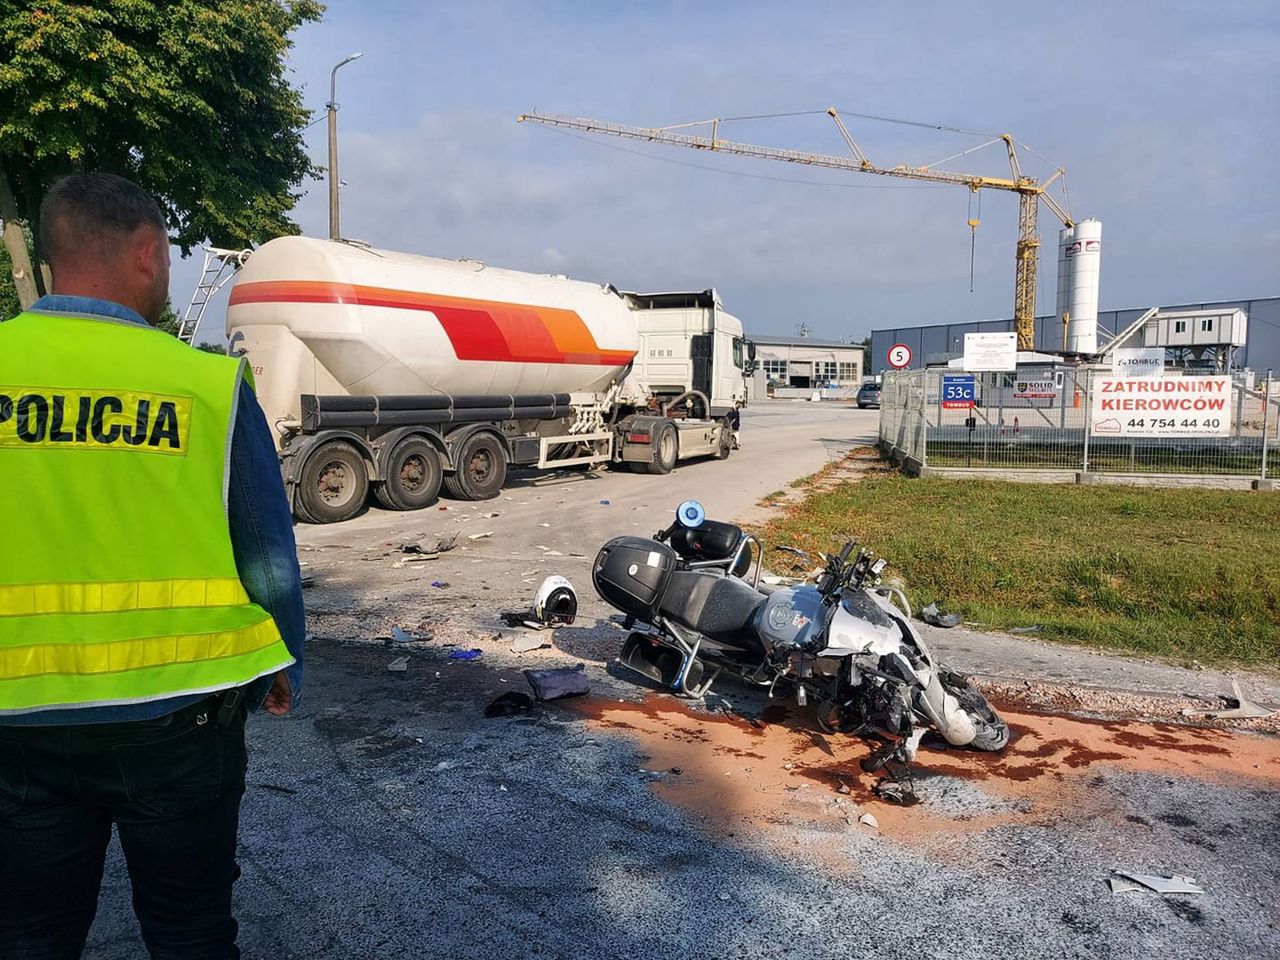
point(219, 267)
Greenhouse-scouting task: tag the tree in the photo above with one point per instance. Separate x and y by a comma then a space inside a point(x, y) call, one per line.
point(188, 98)
point(10, 307)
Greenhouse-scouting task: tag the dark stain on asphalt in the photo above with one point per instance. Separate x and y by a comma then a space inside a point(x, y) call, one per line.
point(1164, 737)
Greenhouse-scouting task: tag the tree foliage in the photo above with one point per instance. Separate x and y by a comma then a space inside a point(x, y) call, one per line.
point(189, 98)
point(9, 305)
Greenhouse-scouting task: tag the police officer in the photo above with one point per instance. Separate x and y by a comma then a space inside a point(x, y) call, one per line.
point(149, 592)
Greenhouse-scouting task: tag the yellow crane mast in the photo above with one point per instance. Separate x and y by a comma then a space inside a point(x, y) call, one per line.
point(1030, 191)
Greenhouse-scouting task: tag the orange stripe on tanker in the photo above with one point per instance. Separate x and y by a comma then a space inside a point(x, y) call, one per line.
point(483, 330)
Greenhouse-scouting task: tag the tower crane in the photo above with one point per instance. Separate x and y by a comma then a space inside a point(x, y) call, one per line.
point(1030, 191)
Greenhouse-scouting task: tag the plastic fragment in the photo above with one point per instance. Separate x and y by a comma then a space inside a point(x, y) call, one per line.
point(1163, 885)
point(934, 617)
point(529, 641)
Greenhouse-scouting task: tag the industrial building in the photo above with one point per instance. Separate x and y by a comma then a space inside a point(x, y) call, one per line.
point(1254, 344)
point(807, 363)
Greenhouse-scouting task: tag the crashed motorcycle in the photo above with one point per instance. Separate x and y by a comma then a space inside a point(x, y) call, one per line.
point(844, 639)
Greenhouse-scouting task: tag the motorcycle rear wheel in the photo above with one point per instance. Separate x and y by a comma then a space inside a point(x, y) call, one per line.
point(992, 732)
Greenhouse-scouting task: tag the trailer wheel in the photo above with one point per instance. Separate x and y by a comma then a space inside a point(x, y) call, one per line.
point(413, 476)
point(482, 469)
point(666, 447)
point(334, 483)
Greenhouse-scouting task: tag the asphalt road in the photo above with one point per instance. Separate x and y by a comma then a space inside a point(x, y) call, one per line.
point(388, 818)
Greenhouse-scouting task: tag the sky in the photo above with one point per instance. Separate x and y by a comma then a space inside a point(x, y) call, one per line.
point(1165, 116)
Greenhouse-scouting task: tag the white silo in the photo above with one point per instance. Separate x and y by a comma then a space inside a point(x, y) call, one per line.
point(1066, 236)
point(1084, 251)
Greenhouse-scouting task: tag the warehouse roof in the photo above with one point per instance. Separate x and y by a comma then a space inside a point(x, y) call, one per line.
point(778, 341)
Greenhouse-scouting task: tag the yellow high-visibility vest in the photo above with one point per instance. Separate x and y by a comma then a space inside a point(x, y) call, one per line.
point(117, 579)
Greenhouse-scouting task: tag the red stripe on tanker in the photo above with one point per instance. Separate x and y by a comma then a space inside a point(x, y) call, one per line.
point(485, 330)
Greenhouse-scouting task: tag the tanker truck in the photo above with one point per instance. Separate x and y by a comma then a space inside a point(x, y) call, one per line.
point(394, 374)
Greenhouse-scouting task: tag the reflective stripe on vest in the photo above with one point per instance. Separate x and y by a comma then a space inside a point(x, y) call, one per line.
point(118, 582)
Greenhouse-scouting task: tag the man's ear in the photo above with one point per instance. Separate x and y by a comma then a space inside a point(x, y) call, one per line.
point(146, 253)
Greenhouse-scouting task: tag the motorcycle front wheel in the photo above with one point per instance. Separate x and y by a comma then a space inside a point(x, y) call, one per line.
point(992, 732)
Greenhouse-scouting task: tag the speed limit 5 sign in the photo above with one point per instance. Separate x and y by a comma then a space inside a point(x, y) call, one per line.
point(899, 356)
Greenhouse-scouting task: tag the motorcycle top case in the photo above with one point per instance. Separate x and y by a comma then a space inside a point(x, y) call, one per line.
point(632, 574)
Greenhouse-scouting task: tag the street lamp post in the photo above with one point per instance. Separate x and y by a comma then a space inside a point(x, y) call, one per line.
point(335, 231)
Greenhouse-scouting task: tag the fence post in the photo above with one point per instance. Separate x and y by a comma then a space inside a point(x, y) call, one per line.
point(1266, 421)
point(1088, 416)
point(924, 419)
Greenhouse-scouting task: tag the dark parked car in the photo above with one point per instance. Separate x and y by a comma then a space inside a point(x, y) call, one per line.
point(869, 396)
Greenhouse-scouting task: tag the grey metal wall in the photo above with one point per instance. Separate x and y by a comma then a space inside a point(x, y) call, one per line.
point(1261, 353)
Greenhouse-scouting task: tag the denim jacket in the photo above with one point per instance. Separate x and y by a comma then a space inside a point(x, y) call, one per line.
point(261, 539)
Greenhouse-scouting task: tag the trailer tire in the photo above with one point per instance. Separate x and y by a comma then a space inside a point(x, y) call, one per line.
point(666, 449)
point(482, 469)
point(413, 476)
point(334, 483)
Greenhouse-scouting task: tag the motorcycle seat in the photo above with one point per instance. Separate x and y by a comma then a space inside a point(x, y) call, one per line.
point(720, 608)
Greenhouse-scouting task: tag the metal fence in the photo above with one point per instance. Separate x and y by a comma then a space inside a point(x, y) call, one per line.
point(1005, 429)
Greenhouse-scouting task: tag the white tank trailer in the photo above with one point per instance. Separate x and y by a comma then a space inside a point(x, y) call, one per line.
point(1079, 261)
point(391, 373)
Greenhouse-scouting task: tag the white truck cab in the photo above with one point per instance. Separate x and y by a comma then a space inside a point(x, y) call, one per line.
point(688, 341)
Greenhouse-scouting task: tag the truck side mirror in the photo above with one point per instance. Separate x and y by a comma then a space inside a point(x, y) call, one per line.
point(751, 350)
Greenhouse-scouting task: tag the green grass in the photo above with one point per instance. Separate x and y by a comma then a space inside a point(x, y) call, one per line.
point(1179, 573)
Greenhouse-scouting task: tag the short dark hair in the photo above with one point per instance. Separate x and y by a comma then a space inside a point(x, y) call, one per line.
point(90, 212)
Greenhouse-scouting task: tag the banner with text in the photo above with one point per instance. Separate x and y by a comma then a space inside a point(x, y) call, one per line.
point(1161, 407)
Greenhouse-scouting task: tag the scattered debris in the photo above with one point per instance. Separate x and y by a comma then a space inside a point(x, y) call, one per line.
point(1034, 628)
point(544, 525)
point(870, 820)
point(472, 654)
point(935, 617)
point(677, 770)
point(441, 584)
point(901, 793)
point(481, 536)
point(398, 665)
point(786, 549)
point(1240, 709)
point(276, 788)
point(308, 578)
point(529, 641)
point(558, 683)
point(843, 788)
point(604, 503)
point(416, 558)
point(509, 705)
point(444, 765)
point(401, 636)
point(724, 896)
point(1136, 881)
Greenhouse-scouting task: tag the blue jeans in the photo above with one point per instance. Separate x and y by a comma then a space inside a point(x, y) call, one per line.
point(172, 787)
